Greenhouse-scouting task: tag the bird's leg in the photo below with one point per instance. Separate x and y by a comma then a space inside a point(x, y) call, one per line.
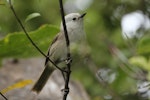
point(67, 61)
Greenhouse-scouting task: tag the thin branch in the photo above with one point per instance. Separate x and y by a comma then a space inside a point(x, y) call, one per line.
point(64, 24)
point(26, 33)
point(3, 96)
point(67, 78)
point(125, 64)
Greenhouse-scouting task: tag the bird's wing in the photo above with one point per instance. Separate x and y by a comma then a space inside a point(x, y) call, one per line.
point(53, 41)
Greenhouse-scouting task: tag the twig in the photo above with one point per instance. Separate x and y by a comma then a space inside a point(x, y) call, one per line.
point(26, 33)
point(3, 96)
point(125, 64)
point(67, 78)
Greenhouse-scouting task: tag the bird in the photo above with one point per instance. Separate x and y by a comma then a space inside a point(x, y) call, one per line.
point(57, 51)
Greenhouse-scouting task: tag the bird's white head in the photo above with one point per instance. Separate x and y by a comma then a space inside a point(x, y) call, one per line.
point(74, 21)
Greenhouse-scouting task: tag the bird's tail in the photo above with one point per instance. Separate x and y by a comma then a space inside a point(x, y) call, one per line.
point(43, 79)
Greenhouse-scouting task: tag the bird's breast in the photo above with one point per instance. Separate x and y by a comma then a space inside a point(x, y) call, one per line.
point(76, 36)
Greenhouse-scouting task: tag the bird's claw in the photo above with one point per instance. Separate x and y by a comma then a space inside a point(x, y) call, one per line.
point(65, 91)
point(68, 60)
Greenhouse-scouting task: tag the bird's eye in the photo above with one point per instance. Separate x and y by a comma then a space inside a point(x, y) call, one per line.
point(74, 18)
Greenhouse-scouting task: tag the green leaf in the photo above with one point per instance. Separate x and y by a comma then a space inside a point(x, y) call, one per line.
point(140, 61)
point(144, 46)
point(17, 44)
point(31, 16)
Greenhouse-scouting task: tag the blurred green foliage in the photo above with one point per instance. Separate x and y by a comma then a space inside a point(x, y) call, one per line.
point(17, 44)
point(102, 25)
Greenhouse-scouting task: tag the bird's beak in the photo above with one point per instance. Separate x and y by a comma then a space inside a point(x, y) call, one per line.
point(82, 15)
